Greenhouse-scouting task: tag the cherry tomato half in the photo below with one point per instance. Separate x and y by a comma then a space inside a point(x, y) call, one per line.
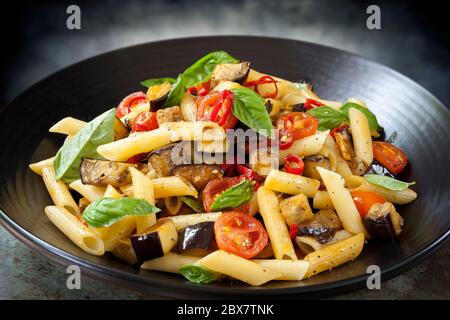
point(365, 199)
point(145, 121)
point(216, 187)
point(129, 102)
point(240, 234)
point(304, 124)
point(389, 156)
point(216, 106)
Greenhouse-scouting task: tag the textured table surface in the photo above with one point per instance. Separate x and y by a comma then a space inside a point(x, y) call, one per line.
point(408, 42)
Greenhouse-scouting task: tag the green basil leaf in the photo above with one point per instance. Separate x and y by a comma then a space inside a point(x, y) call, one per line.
point(199, 72)
point(157, 81)
point(84, 145)
point(371, 118)
point(193, 204)
point(107, 211)
point(234, 196)
point(388, 182)
point(328, 117)
point(197, 274)
point(249, 107)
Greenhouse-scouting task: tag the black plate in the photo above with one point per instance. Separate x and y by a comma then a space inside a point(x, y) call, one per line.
point(86, 89)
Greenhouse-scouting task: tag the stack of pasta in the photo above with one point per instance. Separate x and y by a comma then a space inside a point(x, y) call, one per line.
point(150, 181)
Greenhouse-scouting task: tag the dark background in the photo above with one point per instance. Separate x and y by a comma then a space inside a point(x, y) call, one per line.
point(414, 40)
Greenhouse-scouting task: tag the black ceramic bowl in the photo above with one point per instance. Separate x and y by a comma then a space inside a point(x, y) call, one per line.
point(86, 89)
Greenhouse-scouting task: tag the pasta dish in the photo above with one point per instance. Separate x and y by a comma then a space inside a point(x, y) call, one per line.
point(227, 173)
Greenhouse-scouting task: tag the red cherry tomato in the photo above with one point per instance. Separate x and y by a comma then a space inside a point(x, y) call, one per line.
point(389, 156)
point(365, 199)
point(304, 124)
point(240, 234)
point(216, 187)
point(145, 121)
point(216, 106)
point(129, 102)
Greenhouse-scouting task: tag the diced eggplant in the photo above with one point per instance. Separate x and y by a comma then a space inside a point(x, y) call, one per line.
point(296, 209)
point(196, 239)
point(172, 114)
point(383, 221)
point(120, 129)
point(158, 94)
point(379, 169)
point(156, 241)
point(161, 160)
point(344, 144)
point(100, 173)
point(269, 106)
point(236, 72)
point(299, 107)
point(311, 164)
point(198, 174)
point(322, 226)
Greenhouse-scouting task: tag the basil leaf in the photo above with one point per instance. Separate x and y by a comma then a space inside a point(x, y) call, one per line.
point(199, 72)
point(388, 182)
point(234, 196)
point(328, 117)
point(249, 107)
point(373, 122)
point(84, 145)
point(107, 211)
point(193, 204)
point(197, 274)
point(157, 81)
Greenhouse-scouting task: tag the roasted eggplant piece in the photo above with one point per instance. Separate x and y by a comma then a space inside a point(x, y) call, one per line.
point(383, 221)
point(198, 174)
point(322, 226)
point(120, 129)
point(344, 144)
point(172, 114)
point(311, 164)
point(379, 169)
point(158, 94)
point(100, 173)
point(299, 107)
point(196, 239)
point(161, 159)
point(156, 241)
point(235, 72)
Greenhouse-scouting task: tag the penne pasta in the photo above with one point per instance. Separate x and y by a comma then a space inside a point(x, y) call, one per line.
point(173, 186)
point(182, 221)
point(269, 209)
point(92, 193)
point(194, 131)
point(362, 139)
point(322, 200)
point(238, 268)
point(171, 262)
point(188, 108)
point(308, 244)
point(291, 183)
point(68, 224)
point(288, 269)
point(143, 189)
point(123, 149)
point(58, 191)
point(305, 147)
point(334, 255)
point(68, 126)
point(38, 166)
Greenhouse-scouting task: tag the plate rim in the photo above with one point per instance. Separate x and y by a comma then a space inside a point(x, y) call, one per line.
point(110, 274)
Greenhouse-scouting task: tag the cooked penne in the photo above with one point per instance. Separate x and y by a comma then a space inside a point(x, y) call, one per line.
point(322, 200)
point(305, 147)
point(334, 255)
point(182, 221)
point(118, 231)
point(188, 108)
point(68, 126)
point(238, 268)
point(68, 224)
point(143, 189)
point(170, 262)
point(362, 139)
point(288, 269)
point(112, 192)
point(308, 244)
point(123, 149)
point(269, 209)
point(58, 191)
point(194, 131)
point(172, 186)
point(291, 183)
point(342, 202)
point(38, 166)
point(92, 193)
